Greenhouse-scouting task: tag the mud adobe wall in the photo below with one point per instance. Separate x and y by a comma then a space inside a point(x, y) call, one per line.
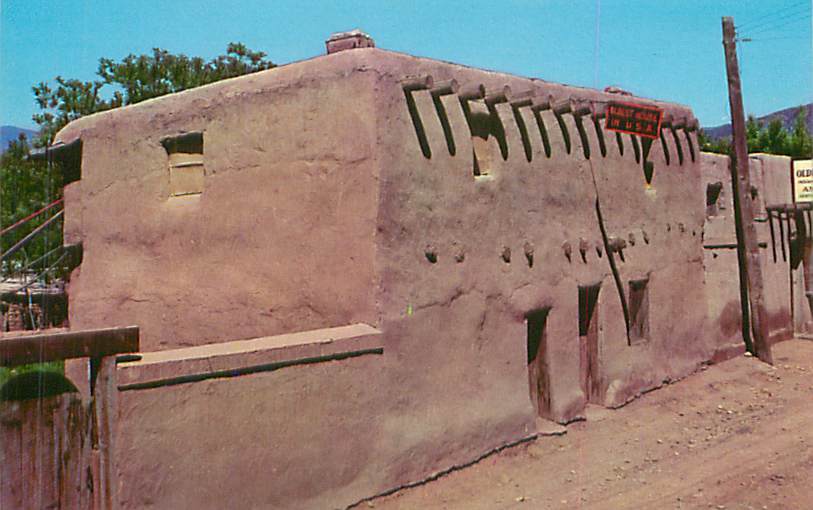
point(419, 284)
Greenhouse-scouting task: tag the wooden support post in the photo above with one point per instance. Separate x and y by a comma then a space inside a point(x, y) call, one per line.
point(742, 190)
point(104, 411)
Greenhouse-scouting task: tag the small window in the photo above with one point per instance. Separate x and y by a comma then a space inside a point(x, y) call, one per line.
point(714, 193)
point(484, 132)
point(186, 169)
point(639, 311)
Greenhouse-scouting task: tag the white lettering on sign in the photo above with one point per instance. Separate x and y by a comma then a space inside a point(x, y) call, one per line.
point(803, 180)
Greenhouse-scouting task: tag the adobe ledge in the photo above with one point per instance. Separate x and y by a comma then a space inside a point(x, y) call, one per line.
point(240, 357)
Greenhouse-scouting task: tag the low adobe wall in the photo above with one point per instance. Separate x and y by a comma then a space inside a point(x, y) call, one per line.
point(282, 422)
point(770, 178)
point(720, 259)
point(771, 175)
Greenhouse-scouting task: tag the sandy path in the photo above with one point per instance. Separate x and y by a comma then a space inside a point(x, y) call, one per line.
point(737, 435)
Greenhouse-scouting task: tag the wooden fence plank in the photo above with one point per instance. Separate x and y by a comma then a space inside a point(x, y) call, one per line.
point(44, 453)
point(37, 348)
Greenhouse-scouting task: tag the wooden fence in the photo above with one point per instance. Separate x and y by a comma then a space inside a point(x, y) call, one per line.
point(56, 449)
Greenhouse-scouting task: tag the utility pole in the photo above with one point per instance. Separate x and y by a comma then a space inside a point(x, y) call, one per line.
point(742, 194)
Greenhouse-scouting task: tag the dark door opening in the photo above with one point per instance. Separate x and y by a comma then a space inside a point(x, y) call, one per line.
point(538, 376)
point(588, 342)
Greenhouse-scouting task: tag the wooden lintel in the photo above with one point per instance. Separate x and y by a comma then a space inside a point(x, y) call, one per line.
point(40, 347)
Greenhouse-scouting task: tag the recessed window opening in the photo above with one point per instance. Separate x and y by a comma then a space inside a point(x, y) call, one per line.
point(714, 191)
point(484, 138)
point(186, 166)
point(639, 310)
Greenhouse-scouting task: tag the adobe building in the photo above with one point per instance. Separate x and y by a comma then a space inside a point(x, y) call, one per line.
point(357, 271)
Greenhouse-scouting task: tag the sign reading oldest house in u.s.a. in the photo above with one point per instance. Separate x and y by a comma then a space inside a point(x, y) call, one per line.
point(803, 180)
point(635, 119)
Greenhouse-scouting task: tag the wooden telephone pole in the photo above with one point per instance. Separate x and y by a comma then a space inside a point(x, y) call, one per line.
point(742, 191)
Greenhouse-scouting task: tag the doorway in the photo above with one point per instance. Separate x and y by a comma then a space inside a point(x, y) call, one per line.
point(588, 341)
point(538, 376)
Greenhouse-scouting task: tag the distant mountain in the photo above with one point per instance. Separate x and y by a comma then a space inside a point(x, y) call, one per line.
point(787, 116)
point(9, 133)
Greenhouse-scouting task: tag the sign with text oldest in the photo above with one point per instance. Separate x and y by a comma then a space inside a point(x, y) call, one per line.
point(635, 119)
point(803, 180)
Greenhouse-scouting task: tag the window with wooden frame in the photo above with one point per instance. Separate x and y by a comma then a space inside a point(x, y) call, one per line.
point(185, 166)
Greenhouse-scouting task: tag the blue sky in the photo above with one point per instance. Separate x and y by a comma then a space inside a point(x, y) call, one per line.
point(666, 49)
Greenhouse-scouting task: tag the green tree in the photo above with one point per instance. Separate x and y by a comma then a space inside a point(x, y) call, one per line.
point(27, 185)
point(752, 130)
point(770, 139)
point(707, 144)
point(773, 139)
point(134, 79)
point(800, 144)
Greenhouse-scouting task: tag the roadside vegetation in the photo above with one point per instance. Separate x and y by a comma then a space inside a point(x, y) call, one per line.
point(772, 138)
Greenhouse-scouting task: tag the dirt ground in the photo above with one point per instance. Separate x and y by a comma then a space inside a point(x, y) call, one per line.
point(738, 435)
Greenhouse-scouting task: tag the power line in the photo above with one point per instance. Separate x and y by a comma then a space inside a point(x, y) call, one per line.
point(778, 22)
point(781, 25)
point(760, 39)
point(771, 17)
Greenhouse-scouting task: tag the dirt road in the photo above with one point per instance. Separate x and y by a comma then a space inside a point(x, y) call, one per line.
point(738, 435)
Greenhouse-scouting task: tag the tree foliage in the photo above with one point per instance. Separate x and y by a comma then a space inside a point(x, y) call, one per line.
point(771, 139)
point(27, 185)
point(134, 79)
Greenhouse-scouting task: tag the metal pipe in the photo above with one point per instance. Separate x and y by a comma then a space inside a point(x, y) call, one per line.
point(34, 233)
point(31, 216)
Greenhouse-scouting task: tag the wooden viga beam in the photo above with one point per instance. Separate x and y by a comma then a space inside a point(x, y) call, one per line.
point(41, 347)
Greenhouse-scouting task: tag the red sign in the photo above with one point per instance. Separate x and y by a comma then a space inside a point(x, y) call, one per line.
point(635, 119)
